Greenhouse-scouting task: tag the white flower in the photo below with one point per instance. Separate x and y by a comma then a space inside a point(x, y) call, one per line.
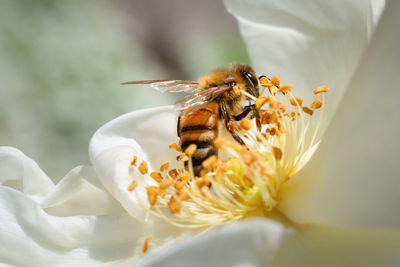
point(341, 208)
point(344, 201)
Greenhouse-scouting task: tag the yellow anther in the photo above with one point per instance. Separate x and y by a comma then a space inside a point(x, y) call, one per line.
point(285, 88)
point(236, 90)
point(274, 117)
point(275, 104)
point(219, 142)
point(275, 80)
point(173, 173)
point(321, 89)
point(146, 245)
point(299, 101)
point(164, 166)
point(156, 176)
point(132, 186)
point(183, 157)
point(174, 205)
point(316, 104)
point(261, 100)
point(179, 185)
point(246, 124)
point(134, 161)
point(272, 90)
point(190, 150)
point(175, 147)
point(152, 194)
point(277, 153)
point(202, 181)
point(166, 183)
point(264, 81)
point(266, 117)
point(183, 195)
point(210, 162)
point(143, 168)
point(308, 111)
point(184, 175)
point(221, 170)
point(272, 130)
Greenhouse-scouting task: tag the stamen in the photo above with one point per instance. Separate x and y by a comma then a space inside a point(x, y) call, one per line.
point(190, 150)
point(277, 153)
point(246, 124)
point(166, 183)
point(264, 80)
point(210, 162)
point(132, 186)
point(285, 88)
point(143, 168)
point(152, 194)
point(174, 205)
point(134, 161)
point(156, 176)
point(317, 103)
point(164, 167)
point(175, 147)
point(261, 101)
point(219, 142)
point(321, 89)
point(173, 173)
point(275, 80)
point(183, 157)
point(296, 101)
point(308, 111)
point(146, 245)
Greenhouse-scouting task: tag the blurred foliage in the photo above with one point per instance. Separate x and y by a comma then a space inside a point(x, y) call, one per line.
point(212, 53)
point(61, 63)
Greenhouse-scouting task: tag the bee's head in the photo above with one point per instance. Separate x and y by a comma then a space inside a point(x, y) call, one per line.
point(250, 78)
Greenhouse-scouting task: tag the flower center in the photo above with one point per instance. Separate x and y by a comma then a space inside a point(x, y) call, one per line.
point(249, 181)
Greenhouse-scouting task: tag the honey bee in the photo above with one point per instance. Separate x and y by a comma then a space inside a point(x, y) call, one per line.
point(220, 97)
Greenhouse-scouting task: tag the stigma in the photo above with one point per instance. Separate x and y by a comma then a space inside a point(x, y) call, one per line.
point(249, 180)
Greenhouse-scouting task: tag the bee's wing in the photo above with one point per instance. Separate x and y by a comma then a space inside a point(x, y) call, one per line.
point(172, 86)
point(195, 101)
point(200, 99)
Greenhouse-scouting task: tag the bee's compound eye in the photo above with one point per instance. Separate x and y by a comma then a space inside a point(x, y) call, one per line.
point(250, 77)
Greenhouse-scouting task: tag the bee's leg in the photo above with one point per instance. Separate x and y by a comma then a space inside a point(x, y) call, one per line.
point(256, 114)
point(228, 122)
point(246, 111)
point(178, 127)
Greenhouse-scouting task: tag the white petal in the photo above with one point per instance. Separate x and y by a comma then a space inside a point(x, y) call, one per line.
point(308, 43)
point(248, 243)
point(31, 237)
point(313, 245)
point(80, 193)
point(22, 173)
point(146, 134)
point(353, 179)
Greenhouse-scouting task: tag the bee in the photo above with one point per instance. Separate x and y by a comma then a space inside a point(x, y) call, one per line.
point(214, 102)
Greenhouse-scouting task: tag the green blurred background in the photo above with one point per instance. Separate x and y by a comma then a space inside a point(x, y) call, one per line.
point(61, 63)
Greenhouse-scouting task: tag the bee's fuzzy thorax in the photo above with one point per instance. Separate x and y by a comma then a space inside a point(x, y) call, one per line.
point(225, 76)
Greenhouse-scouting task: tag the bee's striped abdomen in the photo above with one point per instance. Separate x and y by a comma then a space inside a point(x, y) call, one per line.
point(200, 128)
